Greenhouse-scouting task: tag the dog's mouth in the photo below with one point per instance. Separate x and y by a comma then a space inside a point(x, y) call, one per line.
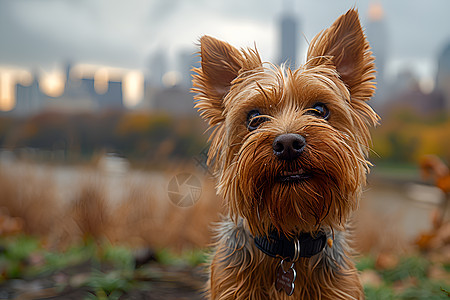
point(293, 176)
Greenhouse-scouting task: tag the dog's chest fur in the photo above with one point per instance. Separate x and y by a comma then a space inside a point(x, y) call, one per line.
point(236, 250)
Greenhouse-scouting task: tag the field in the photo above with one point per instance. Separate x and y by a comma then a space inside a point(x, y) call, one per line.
point(104, 231)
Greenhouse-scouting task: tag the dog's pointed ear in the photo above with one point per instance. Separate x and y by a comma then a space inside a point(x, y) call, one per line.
point(220, 65)
point(345, 46)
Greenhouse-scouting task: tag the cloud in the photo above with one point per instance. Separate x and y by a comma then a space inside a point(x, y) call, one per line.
point(125, 33)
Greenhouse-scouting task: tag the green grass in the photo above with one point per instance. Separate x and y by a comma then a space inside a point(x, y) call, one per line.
point(109, 285)
point(365, 262)
point(111, 273)
point(16, 262)
point(14, 255)
point(191, 257)
point(406, 281)
point(120, 257)
point(424, 290)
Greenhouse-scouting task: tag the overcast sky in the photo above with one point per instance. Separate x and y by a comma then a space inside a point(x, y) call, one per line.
point(47, 33)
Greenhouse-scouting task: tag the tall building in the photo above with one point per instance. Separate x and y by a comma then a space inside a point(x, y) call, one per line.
point(88, 85)
point(188, 59)
point(157, 68)
point(174, 100)
point(288, 40)
point(443, 75)
point(68, 69)
point(377, 35)
point(29, 99)
point(79, 95)
point(113, 97)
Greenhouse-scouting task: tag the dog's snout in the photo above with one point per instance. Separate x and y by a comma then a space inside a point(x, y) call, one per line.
point(288, 146)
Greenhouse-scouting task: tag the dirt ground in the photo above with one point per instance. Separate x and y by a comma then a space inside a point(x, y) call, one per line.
point(151, 281)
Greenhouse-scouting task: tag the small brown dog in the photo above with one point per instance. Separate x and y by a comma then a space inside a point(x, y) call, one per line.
point(290, 150)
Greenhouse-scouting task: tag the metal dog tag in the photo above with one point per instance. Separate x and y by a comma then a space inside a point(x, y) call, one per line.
point(284, 279)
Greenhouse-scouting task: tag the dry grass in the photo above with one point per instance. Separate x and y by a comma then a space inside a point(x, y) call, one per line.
point(30, 198)
point(142, 219)
point(192, 226)
point(90, 212)
point(143, 216)
point(136, 218)
point(374, 233)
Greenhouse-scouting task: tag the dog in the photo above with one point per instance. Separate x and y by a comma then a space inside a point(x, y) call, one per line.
point(289, 149)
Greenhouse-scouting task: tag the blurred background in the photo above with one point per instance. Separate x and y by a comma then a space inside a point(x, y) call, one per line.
point(104, 188)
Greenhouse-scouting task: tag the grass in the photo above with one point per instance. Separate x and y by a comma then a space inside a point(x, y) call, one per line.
point(24, 256)
point(84, 245)
point(423, 291)
point(408, 280)
point(191, 257)
point(14, 256)
point(93, 270)
point(143, 216)
point(109, 270)
point(109, 285)
point(83, 242)
point(33, 203)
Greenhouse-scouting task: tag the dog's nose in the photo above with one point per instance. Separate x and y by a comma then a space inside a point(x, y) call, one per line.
point(288, 146)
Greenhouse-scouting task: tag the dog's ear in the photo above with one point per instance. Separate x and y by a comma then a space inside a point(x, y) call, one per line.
point(220, 65)
point(345, 46)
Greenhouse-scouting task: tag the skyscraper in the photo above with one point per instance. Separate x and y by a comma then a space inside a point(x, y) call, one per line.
point(29, 98)
point(378, 39)
point(443, 75)
point(188, 59)
point(113, 97)
point(157, 67)
point(288, 40)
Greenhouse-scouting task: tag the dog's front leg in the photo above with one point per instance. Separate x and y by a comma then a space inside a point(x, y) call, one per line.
point(238, 269)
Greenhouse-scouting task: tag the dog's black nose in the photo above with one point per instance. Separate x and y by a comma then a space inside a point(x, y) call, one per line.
point(288, 146)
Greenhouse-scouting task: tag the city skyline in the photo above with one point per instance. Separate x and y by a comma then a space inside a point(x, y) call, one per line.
point(103, 39)
point(125, 35)
point(78, 94)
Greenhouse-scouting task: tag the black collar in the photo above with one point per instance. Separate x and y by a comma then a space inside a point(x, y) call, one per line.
point(303, 245)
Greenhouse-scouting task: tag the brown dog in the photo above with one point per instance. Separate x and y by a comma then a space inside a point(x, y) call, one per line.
point(289, 148)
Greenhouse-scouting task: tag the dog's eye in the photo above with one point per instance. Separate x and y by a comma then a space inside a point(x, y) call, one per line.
point(255, 119)
point(319, 110)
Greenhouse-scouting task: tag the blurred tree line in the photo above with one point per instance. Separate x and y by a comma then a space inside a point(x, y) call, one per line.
point(138, 136)
point(404, 136)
